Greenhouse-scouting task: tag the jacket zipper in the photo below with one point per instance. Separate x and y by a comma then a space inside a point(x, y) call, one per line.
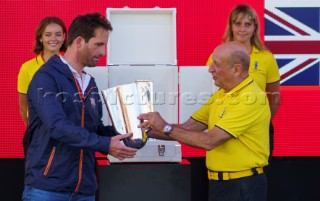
point(80, 171)
point(82, 126)
point(49, 161)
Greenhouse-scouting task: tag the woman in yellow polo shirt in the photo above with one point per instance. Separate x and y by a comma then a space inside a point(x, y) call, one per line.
point(243, 26)
point(50, 40)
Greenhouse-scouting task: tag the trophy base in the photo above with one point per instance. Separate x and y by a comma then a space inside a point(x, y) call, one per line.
point(155, 151)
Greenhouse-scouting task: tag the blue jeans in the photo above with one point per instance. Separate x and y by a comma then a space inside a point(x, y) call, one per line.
point(253, 188)
point(34, 194)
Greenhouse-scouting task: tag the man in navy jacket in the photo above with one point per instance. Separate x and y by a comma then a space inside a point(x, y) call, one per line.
point(65, 113)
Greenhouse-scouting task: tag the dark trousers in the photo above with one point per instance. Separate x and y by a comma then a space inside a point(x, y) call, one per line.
point(267, 169)
point(253, 188)
point(271, 139)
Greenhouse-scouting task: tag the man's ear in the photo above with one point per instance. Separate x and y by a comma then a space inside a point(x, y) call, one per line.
point(79, 41)
point(238, 68)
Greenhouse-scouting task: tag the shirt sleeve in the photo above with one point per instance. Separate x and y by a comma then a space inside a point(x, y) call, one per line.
point(23, 82)
point(202, 115)
point(273, 74)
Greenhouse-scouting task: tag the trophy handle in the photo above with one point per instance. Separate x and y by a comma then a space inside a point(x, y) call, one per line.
point(136, 143)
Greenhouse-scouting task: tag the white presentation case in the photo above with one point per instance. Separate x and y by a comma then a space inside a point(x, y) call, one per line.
point(142, 46)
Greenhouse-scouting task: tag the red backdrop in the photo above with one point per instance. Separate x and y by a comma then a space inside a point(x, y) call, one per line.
point(200, 26)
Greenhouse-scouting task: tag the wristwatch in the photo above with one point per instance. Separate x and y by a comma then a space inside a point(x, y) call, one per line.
point(167, 129)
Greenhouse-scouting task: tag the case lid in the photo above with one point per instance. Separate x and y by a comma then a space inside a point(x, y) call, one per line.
point(142, 36)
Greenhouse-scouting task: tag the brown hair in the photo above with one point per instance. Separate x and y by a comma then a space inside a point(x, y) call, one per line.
point(41, 27)
point(245, 10)
point(86, 25)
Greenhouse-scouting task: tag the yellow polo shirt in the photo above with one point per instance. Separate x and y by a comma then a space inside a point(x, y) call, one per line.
point(263, 67)
point(244, 113)
point(27, 70)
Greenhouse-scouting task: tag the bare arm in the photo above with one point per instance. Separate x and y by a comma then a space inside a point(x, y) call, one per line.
point(273, 94)
point(190, 133)
point(205, 140)
point(190, 124)
point(23, 107)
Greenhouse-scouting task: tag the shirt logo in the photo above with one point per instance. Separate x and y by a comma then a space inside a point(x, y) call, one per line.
point(93, 102)
point(222, 113)
point(255, 65)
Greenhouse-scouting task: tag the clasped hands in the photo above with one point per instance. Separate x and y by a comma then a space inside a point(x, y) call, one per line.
point(151, 120)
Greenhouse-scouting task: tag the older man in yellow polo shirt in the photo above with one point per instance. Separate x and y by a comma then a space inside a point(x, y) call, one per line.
point(237, 118)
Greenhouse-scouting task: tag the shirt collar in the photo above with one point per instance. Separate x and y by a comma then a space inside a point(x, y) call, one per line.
point(242, 84)
point(72, 70)
point(255, 49)
point(39, 59)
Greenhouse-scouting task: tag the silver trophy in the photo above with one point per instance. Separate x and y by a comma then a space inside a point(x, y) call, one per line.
point(124, 104)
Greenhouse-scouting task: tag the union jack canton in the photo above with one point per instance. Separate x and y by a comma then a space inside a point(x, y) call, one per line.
point(292, 33)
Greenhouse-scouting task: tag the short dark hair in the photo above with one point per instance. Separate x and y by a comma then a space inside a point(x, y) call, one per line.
point(85, 26)
point(38, 47)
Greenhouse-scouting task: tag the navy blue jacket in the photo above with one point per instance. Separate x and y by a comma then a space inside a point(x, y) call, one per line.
point(66, 130)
